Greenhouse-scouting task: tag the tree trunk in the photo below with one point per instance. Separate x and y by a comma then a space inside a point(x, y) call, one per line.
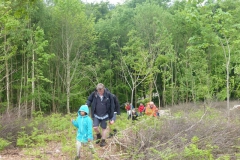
point(33, 85)
point(53, 95)
point(68, 78)
point(7, 74)
point(159, 100)
point(26, 84)
point(172, 84)
point(227, 55)
point(20, 90)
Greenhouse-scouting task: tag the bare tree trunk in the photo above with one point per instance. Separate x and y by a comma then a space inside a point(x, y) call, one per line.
point(39, 97)
point(187, 85)
point(227, 55)
point(172, 84)
point(227, 68)
point(53, 96)
point(135, 97)
point(26, 84)
point(7, 74)
point(150, 90)
point(132, 95)
point(68, 78)
point(164, 87)
point(159, 100)
point(21, 87)
point(33, 85)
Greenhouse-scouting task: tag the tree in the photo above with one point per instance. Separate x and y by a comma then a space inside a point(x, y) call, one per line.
point(76, 36)
point(153, 28)
point(136, 63)
point(8, 29)
point(227, 33)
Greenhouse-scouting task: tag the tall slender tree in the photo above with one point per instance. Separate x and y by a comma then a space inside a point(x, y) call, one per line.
point(76, 36)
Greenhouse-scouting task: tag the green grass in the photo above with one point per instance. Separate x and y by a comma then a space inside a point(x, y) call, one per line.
point(187, 135)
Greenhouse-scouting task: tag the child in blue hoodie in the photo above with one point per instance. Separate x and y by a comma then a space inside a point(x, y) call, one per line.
point(84, 125)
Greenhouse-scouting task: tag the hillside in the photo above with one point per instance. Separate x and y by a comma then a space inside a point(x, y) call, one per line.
point(191, 132)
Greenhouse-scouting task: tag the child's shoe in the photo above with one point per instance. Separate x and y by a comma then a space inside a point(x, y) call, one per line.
point(98, 138)
point(91, 147)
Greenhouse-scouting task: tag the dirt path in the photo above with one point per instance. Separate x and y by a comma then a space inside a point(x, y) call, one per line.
point(53, 151)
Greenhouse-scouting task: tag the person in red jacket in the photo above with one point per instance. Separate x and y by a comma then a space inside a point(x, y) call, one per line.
point(141, 109)
point(128, 108)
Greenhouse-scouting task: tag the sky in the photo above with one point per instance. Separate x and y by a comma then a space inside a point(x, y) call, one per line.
point(111, 1)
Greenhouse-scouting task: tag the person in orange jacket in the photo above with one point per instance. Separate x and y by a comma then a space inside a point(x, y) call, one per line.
point(151, 109)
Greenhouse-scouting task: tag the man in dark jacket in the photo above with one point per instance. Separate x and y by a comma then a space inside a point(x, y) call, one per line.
point(102, 110)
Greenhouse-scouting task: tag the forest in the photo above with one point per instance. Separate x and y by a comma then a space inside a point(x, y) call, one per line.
point(54, 52)
point(181, 54)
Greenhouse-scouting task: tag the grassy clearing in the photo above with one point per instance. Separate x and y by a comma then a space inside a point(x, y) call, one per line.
point(190, 133)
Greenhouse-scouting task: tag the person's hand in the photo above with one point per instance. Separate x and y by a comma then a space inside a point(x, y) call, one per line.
point(89, 140)
point(111, 122)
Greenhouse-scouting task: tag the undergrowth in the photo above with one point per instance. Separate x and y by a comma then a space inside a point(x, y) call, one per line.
point(190, 133)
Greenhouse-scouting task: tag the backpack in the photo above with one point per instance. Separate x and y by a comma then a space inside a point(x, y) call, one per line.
point(116, 102)
point(117, 105)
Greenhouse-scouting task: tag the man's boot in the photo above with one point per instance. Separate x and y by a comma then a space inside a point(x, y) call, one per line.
point(114, 132)
point(110, 135)
point(103, 143)
point(98, 138)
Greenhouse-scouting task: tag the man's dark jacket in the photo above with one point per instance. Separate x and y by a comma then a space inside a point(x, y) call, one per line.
point(92, 101)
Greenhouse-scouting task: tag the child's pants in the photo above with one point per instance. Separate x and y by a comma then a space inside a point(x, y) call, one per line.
point(79, 144)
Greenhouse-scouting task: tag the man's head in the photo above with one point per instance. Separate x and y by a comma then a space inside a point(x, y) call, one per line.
point(151, 104)
point(100, 88)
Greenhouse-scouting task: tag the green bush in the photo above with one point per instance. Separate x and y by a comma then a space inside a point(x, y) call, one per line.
point(3, 143)
point(23, 140)
point(194, 152)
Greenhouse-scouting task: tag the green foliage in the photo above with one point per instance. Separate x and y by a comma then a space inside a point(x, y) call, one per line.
point(34, 152)
point(3, 143)
point(225, 157)
point(58, 122)
point(99, 10)
point(179, 114)
point(122, 122)
point(44, 129)
point(24, 140)
point(194, 152)
point(66, 44)
point(69, 148)
point(144, 101)
point(164, 138)
point(167, 154)
point(181, 42)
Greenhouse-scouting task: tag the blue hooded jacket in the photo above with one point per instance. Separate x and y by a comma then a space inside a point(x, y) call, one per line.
point(84, 125)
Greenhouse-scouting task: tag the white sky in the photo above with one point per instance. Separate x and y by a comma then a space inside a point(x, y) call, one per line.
point(111, 1)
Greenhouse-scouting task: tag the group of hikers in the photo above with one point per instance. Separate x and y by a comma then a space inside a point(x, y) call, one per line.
point(150, 110)
point(104, 108)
